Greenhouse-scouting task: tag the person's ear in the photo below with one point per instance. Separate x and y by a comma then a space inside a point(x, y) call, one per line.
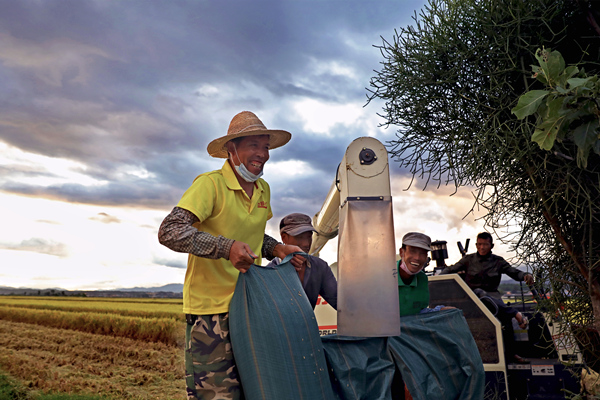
point(492, 246)
point(284, 238)
point(229, 147)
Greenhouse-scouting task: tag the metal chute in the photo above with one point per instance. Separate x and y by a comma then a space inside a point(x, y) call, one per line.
point(359, 209)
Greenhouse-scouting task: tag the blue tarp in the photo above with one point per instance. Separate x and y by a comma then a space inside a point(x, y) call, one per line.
point(435, 354)
point(280, 355)
point(360, 368)
point(275, 337)
point(438, 357)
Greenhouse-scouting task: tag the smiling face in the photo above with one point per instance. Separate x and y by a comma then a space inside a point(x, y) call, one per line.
point(414, 258)
point(484, 246)
point(252, 151)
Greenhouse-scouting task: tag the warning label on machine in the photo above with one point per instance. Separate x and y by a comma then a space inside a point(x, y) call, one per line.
point(542, 370)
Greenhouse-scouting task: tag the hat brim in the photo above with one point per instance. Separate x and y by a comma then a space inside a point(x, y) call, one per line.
point(277, 138)
point(416, 244)
point(298, 230)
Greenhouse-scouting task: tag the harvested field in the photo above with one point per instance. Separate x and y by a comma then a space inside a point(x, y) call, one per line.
point(166, 330)
point(69, 361)
point(146, 308)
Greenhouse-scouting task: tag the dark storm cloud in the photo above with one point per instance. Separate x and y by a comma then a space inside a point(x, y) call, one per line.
point(19, 171)
point(170, 263)
point(146, 85)
point(113, 194)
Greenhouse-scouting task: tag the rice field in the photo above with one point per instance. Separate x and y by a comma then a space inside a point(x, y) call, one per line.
point(142, 307)
point(117, 348)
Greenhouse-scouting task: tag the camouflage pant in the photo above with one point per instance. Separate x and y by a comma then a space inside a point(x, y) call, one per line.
point(210, 371)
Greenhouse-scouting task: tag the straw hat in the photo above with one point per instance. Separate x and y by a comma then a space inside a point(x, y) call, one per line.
point(247, 124)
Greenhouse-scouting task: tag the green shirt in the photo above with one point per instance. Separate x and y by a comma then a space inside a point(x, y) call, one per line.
point(415, 296)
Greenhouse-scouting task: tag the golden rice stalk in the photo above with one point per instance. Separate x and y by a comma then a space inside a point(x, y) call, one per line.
point(165, 330)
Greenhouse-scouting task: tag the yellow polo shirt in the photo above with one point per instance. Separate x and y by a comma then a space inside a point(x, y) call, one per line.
point(224, 208)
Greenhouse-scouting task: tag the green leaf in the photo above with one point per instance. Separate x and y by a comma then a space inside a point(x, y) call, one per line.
point(571, 71)
point(555, 107)
point(574, 114)
point(576, 82)
point(552, 65)
point(538, 74)
point(542, 56)
point(543, 138)
point(582, 157)
point(586, 138)
point(529, 103)
point(589, 107)
point(585, 135)
point(556, 65)
point(545, 134)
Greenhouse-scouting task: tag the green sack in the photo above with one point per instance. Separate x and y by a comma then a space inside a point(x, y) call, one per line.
point(275, 337)
point(437, 357)
point(360, 368)
point(435, 354)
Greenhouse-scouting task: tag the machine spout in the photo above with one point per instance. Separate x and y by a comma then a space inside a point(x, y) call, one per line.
point(359, 209)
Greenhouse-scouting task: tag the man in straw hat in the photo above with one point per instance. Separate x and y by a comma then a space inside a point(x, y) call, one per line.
point(220, 221)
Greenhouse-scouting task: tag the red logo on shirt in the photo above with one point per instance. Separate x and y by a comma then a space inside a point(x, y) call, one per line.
point(262, 204)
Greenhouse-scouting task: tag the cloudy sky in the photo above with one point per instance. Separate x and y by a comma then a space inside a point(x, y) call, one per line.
point(106, 109)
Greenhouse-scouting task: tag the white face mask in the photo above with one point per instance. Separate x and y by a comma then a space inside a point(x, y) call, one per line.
point(404, 268)
point(243, 171)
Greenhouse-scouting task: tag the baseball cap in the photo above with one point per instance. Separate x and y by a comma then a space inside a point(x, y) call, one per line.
point(295, 224)
point(417, 239)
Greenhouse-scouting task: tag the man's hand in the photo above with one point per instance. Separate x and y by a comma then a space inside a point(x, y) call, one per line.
point(241, 256)
point(282, 250)
point(298, 262)
point(528, 278)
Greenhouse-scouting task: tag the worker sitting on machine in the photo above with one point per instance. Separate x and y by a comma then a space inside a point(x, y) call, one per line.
point(482, 272)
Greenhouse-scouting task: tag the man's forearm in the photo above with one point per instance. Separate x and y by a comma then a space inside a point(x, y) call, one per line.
point(454, 268)
point(448, 270)
point(268, 246)
point(513, 272)
point(177, 233)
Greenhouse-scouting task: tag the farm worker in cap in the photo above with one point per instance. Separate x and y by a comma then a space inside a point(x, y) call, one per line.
point(314, 273)
point(220, 221)
point(413, 285)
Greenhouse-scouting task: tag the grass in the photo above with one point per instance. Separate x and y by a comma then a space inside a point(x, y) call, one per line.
point(13, 390)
